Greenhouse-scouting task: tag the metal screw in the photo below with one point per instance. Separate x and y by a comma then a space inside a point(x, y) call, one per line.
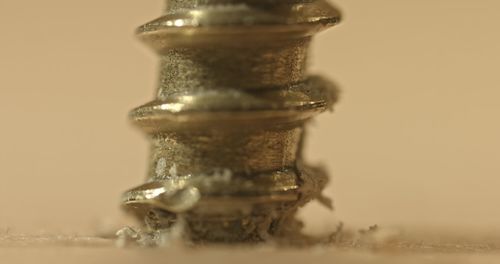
point(227, 124)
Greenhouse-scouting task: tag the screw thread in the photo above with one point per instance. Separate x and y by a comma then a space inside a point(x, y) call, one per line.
point(227, 124)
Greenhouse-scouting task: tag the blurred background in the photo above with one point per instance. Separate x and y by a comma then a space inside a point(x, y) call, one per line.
point(414, 141)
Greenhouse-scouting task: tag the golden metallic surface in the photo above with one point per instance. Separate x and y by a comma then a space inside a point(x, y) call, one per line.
point(227, 124)
point(197, 23)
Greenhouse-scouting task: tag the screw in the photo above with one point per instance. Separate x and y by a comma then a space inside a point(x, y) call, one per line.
point(227, 124)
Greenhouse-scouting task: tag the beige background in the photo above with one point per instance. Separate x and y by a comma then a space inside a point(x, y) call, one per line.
point(414, 142)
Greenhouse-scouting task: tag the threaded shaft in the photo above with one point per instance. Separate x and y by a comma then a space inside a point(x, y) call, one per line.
point(228, 121)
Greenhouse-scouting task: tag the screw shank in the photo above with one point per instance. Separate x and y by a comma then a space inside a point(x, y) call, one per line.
point(227, 124)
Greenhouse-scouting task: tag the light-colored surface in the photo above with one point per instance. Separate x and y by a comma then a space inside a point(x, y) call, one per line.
point(414, 142)
point(265, 256)
point(64, 249)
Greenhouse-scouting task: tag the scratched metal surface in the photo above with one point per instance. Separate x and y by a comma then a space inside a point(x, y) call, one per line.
point(227, 123)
